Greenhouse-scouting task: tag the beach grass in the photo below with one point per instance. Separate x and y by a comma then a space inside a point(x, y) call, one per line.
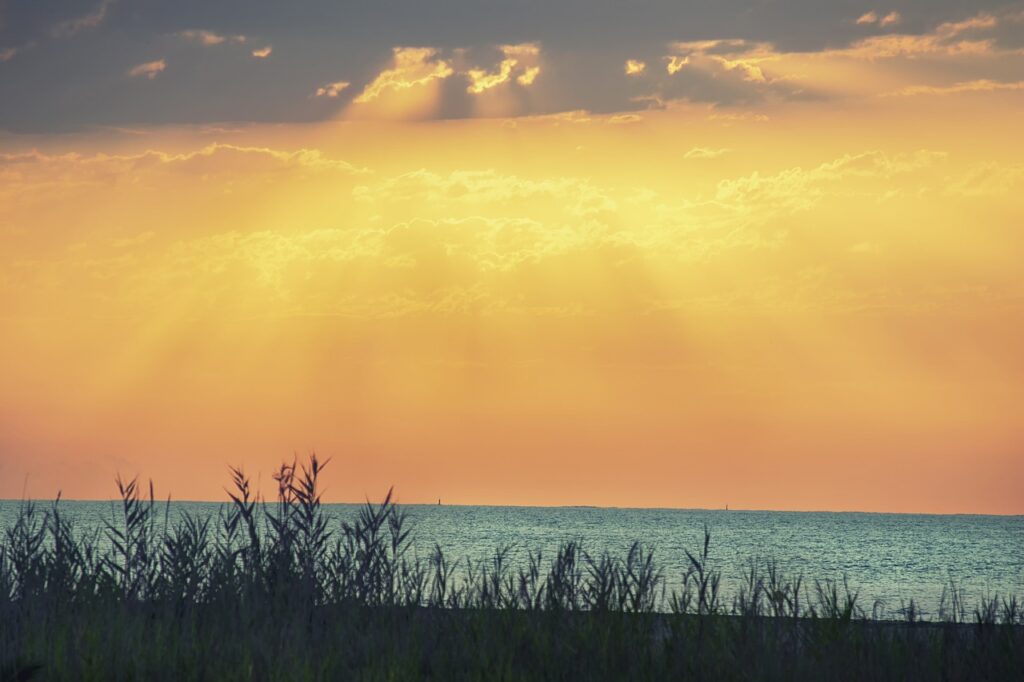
point(278, 591)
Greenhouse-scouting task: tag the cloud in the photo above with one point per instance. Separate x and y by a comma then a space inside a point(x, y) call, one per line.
point(88, 21)
point(520, 50)
point(946, 39)
point(210, 38)
point(989, 179)
point(980, 85)
point(306, 158)
point(518, 63)
point(742, 72)
point(575, 117)
point(704, 153)
point(411, 66)
point(575, 196)
point(728, 72)
point(715, 46)
point(149, 70)
point(890, 19)
point(7, 53)
point(528, 76)
point(798, 189)
point(871, 17)
point(263, 52)
point(769, 65)
point(34, 168)
point(675, 64)
point(480, 80)
point(409, 242)
point(730, 117)
point(748, 67)
point(979, 21)
point(619, 119)
point(741, 56)
point(635, 67)
point(331, 89)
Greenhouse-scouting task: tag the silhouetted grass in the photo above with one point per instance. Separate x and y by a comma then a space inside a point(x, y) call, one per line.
point(278, 591)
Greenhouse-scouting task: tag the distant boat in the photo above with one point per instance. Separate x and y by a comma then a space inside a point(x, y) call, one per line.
point(439, 502)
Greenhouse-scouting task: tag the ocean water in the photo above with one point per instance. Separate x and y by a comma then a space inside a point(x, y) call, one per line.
point(888, 558)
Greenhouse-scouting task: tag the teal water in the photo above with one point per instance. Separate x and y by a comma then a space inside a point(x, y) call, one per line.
point(889, 558)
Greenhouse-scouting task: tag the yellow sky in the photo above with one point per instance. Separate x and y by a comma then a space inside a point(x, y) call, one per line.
point(799, 303)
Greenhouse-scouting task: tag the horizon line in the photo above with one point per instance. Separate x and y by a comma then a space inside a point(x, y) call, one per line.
point(167, 500)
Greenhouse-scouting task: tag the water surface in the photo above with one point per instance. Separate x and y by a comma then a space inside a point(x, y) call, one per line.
point(889, 558)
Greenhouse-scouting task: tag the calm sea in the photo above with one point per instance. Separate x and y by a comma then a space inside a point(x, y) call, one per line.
point(890, 558)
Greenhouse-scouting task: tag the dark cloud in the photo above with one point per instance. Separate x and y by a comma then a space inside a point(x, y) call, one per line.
point(74, 75)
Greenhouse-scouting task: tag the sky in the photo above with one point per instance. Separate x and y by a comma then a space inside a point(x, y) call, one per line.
point(759, 254)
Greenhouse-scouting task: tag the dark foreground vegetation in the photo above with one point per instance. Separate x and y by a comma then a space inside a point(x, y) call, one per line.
point(277, 592)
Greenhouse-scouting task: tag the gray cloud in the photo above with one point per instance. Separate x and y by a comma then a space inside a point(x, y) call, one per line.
point(73, 78)
point(84, 22)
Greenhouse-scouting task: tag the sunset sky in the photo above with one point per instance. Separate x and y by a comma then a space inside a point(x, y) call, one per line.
point(767, 254)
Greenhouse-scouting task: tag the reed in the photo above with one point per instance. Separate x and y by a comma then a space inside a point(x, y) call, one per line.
point(278, 590)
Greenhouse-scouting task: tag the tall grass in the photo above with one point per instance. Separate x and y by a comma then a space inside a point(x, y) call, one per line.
point(279, 591)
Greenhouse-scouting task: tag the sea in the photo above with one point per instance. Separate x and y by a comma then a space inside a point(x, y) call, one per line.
point(888, 559)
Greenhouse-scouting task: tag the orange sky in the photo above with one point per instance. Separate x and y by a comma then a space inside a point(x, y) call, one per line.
point(797, 303)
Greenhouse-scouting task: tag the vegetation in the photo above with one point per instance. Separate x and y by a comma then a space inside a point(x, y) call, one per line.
point(278, 592)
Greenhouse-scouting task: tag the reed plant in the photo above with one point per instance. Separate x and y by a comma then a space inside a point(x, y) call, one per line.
point(280, 590)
